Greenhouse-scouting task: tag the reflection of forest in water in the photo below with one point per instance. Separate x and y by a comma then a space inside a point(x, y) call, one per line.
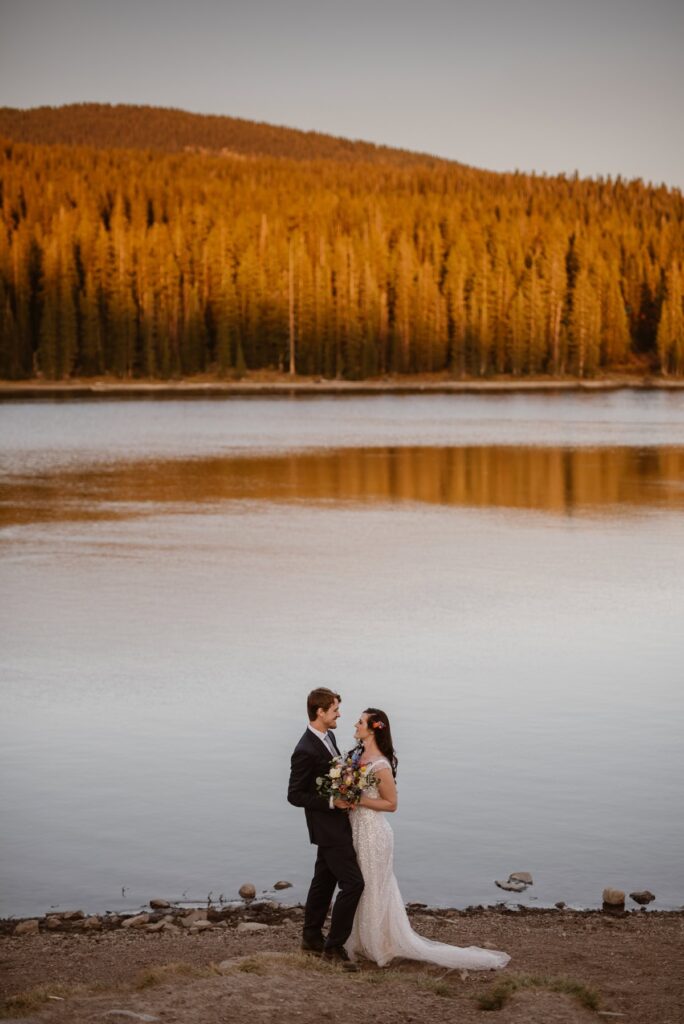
point(557, 480)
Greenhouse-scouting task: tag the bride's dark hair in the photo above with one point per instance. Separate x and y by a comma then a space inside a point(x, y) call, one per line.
point(379, 722)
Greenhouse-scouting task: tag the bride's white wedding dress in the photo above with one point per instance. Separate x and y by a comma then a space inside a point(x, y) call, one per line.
point(381, 928)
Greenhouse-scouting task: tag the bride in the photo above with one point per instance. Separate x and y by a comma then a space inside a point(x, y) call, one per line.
point(381, 929)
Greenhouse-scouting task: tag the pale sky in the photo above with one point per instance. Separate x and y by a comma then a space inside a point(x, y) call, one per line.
point(540, 85)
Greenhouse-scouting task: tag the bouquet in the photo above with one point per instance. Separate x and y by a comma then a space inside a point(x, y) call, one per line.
point(346, 779)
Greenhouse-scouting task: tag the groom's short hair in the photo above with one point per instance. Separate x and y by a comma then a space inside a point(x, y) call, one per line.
point(320, 698)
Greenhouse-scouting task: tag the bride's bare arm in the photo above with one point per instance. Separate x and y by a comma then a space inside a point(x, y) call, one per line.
point(387, 793)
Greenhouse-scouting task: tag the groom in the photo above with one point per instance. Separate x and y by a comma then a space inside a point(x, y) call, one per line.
point(329, 830)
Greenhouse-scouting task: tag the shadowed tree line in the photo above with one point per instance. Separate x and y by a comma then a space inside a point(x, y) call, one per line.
point(134, 263)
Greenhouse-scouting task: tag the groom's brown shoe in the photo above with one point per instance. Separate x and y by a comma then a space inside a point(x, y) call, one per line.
point(338, 955)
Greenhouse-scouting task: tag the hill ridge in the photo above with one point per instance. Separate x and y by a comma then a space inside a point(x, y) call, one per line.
point(171, 130)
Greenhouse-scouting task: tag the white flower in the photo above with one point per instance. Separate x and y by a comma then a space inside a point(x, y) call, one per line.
point(335, 773)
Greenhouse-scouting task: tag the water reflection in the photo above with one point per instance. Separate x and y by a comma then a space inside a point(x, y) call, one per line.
point(556, 480)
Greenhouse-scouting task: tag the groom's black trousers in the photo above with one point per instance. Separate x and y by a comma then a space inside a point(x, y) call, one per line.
point(335, 865)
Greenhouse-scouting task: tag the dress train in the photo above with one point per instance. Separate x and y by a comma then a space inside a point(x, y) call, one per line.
point(381, 929)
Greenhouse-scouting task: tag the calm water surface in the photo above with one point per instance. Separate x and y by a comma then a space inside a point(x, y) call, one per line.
point(503, 574)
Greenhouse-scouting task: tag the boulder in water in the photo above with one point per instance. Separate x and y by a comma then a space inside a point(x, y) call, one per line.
point(511, 886)
point(643, 897)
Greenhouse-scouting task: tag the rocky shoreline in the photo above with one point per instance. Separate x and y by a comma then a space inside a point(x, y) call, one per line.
point(259, 915)
point(251, 913)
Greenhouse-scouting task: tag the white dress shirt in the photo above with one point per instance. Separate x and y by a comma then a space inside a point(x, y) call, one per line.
point(325, 739)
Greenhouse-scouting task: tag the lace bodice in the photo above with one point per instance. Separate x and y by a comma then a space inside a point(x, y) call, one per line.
point(372, 791)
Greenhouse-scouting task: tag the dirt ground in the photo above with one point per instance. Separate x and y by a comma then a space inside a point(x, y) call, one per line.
point(633, 965)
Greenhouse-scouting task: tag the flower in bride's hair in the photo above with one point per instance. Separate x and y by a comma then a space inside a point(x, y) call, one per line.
point(378, 725)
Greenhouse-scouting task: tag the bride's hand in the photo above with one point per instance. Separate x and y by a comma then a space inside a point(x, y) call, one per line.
point(342, 804)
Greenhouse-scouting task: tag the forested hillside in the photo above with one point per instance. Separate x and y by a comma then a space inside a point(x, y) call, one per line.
point(124, 126)
point(141, 263)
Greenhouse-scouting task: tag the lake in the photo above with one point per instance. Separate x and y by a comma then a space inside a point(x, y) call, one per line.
point(503, 574)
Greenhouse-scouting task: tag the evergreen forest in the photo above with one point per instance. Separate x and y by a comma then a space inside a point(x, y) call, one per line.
point(224, 253)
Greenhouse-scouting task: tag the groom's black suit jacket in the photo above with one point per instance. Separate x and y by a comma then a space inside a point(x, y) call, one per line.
point(311, 759)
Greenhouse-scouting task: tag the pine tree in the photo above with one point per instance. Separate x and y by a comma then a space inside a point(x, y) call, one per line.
point(22, 273)
point(456, 313)
point(615, 335)
point(670, 338)
point(48, 344)
point(585, 323)
point(9, 368)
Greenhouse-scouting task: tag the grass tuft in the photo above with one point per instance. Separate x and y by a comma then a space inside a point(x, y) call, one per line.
point(252, 965)
point(34, 999)
point(152, 976)
point(374, 977)
point(584, 994)
point(381, 976)
point(302, 961)
point(261, 963)
point(437, 987)
point(497, 996)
